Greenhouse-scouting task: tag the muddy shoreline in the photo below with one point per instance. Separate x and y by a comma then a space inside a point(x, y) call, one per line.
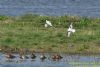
point(28, 51)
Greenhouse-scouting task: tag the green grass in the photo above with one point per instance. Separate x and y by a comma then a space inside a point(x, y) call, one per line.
point(28, 31)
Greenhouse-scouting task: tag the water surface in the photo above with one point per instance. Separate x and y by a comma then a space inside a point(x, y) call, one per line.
point(50, 7)
point(67, 61)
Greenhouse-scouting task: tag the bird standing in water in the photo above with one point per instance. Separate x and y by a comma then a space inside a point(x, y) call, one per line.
point(9, 56)
point(42, 57)
point(22, 54)
point(33, 56)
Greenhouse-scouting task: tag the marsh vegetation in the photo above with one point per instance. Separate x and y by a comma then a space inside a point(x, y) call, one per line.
point(28, 31)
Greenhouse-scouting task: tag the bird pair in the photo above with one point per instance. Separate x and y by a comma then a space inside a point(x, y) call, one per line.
point(70, 29)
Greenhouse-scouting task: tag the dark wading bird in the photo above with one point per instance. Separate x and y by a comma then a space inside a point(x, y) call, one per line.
point(9, 56)
point(56, 57)
point(43, 57)
point(33, 56)
point(22, 54)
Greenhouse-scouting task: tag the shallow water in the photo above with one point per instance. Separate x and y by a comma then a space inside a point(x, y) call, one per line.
point(51, 7)
point(67, 61)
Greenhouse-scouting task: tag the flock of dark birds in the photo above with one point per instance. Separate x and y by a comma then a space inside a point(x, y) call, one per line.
point(33, 56)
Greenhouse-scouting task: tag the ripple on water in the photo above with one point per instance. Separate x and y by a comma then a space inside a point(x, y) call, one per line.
point(67, 61)
point(50, 7)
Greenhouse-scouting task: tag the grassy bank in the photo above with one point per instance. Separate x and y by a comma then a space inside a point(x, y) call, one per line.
point(28, 31)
